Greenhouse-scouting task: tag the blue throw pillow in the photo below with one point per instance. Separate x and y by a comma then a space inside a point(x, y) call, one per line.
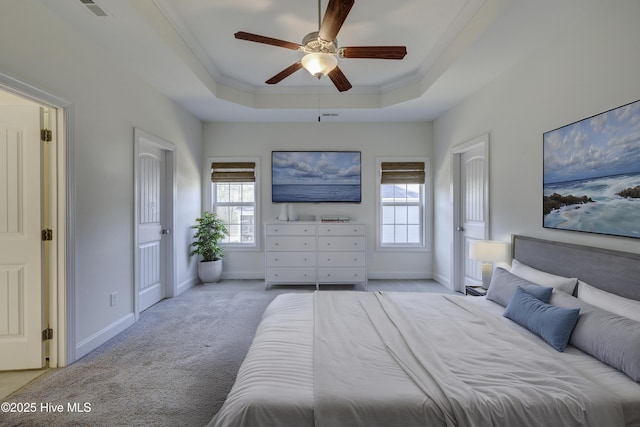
point(552, 324)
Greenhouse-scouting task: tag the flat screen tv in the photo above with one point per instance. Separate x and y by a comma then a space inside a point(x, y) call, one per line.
point(315, 177)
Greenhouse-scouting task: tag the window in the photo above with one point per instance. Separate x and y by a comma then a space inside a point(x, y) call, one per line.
point(402, 204)
point(234, 199)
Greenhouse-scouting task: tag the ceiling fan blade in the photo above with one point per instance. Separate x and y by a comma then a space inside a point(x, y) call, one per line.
point(339, 80)
point(337, 11)
point(374, 52)
point(284, 73)
point(241, 35)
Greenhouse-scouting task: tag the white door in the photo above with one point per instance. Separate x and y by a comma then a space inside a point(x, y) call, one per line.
point(21, 293)
point(151, 281)
point(472, 209)
point(470, 170)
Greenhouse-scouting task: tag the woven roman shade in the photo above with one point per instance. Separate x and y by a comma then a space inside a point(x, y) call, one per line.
point(402, 173)
point(233, 172)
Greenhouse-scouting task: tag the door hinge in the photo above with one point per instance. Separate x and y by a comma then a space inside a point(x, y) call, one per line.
point(47, 334)
point(46, 135)
point(47, 234)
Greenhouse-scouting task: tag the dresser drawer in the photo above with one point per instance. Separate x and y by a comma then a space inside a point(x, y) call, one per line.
point(291, 243)
point(291, 259)
point(342, 259)
point(291, 230)
point(289, 274)
point(341, 275)
point(341, 243)
point(341, 230)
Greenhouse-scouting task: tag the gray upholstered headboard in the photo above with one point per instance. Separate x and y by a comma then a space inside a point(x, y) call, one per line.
point(613, 271)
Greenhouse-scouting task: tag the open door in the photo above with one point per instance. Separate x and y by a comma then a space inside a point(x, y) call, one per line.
point(154, 213)
point(151, 247)
point(21, 246)
point(471, 207)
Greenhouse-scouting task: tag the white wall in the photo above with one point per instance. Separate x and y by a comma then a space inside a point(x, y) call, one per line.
point(591, 69)
point(40, 49)
point(371, 139)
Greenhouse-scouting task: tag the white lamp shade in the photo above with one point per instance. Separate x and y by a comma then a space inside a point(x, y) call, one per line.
point(488, 250)
point(319, 63)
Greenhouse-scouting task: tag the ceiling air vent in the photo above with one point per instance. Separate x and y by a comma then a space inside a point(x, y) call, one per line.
point(93, 7)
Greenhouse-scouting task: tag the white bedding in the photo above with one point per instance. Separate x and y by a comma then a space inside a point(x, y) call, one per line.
point(404, 359)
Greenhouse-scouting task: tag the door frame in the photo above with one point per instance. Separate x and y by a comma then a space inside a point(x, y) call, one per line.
point(62, 347)
point(171, 287)
point(457, 251)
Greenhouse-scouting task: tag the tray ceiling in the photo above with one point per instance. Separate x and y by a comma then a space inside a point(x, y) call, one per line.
point(186, 50)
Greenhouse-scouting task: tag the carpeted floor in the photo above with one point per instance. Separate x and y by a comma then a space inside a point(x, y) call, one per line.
point(174, 367)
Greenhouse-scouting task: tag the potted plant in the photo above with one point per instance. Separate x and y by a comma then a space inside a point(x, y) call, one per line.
point(209, 230)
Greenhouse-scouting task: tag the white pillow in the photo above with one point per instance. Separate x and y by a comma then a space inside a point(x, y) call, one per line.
point(561, 283)
point(610, 302)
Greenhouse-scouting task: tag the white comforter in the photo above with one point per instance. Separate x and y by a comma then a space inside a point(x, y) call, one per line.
point(404, 359)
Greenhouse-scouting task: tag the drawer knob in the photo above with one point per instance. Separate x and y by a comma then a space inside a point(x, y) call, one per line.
point(276, 274)
point(276, 260)
point(276, 244)
point(355, 244)
point(305, 230)
point(305, 260)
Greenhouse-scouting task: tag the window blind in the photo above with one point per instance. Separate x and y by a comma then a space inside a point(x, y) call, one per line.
point(233, 172)
point(402, 173)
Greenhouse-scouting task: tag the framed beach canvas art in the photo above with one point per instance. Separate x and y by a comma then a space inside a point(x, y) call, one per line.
point(591, 179)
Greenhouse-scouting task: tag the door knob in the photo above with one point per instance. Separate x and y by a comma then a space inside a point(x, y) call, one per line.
point(459, 228)
point(165, 231)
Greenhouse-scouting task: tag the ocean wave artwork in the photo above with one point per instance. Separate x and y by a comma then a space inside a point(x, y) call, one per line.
point(592, 174)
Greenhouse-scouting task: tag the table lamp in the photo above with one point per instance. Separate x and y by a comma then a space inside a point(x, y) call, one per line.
point(487, 252)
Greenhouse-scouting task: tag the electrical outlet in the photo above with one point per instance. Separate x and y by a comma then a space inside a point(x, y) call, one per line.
point(114, 298)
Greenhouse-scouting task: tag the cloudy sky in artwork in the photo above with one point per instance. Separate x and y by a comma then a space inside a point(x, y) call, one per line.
point(315, 167)
point(603, 145)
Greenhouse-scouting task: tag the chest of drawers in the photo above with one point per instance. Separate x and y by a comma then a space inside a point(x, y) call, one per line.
point(315, 253)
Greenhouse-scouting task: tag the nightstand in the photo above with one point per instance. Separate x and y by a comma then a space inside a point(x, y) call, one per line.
point(476, 291)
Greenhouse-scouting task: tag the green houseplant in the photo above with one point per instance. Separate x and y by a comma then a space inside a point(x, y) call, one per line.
point(209, 231)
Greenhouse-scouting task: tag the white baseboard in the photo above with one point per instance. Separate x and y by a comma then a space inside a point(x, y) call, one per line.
point(444, 281)
point(405, 275)
point(189, 283)
point(96, 340)
point(243, 275)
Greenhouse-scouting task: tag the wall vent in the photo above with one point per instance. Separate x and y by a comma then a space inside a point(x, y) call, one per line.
point(94, 8)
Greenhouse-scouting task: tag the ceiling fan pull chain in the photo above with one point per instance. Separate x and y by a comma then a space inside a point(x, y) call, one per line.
point(318, 96)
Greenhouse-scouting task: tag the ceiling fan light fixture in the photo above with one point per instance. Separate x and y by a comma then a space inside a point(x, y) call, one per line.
point(319, 64)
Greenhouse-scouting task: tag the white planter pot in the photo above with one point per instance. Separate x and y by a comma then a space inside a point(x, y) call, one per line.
point(210, 271)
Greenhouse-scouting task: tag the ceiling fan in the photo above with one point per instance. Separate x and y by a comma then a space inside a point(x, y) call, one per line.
point(321, 49)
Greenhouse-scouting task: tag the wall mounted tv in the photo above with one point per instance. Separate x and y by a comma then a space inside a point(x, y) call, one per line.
point(315, 177)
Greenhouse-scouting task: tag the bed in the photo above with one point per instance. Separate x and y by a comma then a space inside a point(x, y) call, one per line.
point(343, 358)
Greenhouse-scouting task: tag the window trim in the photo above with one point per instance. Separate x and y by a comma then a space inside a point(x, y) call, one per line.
point(208, 200)
point(427, 206)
